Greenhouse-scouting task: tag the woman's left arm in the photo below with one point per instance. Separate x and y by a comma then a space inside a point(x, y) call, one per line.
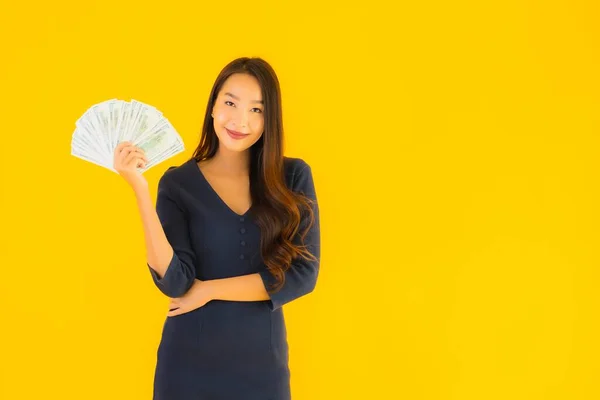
point(238, 288)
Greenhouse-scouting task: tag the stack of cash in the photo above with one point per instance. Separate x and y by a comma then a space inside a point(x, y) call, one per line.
point(104, 125)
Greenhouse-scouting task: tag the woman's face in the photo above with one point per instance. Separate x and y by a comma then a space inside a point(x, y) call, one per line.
point(239, 108)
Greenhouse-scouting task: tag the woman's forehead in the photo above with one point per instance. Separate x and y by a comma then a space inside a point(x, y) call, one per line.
point(242, 87)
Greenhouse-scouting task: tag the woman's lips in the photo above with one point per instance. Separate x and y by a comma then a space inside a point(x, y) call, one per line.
point(236, 135)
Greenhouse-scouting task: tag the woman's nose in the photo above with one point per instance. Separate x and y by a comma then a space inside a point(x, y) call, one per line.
point(243, 119)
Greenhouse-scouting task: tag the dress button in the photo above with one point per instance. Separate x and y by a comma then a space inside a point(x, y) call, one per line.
point(243, 230)
point(243, 243)
point(241, 219)
point(241, 256)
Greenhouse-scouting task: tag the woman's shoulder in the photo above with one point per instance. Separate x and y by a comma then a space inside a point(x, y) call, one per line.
point(297, 171)
point(178, 174)
point(293, 165)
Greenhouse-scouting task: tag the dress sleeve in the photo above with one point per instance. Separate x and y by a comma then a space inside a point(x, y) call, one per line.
point(181, 272)
point(301, 277)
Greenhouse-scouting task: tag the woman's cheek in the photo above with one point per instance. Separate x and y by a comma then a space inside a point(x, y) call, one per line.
point(220, 117)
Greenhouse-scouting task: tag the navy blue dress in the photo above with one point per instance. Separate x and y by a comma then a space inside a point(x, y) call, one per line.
point(225, 350)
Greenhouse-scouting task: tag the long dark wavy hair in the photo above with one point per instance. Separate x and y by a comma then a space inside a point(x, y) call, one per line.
point(277, 210)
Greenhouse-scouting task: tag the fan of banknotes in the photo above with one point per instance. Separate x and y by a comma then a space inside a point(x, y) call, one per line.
point(104, 125)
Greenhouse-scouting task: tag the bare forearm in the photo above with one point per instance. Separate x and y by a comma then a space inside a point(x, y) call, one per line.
point(158, 249)
point(239, 288)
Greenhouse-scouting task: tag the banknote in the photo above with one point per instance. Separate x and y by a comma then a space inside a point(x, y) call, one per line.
point(104, 125)
point(159, 142)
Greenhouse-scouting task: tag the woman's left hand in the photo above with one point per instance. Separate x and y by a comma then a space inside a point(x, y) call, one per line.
point(196, 297)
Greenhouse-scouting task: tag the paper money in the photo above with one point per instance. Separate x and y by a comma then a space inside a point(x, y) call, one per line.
point(104, 125)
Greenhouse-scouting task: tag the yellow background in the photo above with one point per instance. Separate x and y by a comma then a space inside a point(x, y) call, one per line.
point(454, 146)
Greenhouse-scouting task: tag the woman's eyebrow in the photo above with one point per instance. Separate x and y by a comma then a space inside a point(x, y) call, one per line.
point(237, 98)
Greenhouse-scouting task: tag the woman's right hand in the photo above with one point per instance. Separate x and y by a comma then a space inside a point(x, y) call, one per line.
point(127, 158)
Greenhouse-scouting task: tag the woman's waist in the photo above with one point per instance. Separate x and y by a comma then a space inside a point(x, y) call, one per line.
point(224, 309)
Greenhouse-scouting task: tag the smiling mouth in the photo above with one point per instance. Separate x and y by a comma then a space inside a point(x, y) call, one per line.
point(236, 134)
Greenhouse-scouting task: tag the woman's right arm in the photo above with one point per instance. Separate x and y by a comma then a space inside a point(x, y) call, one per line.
point(159, 252)
point(169, 254)
point(170, 257)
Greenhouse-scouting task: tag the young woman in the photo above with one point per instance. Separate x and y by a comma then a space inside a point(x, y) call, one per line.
point(234, 236)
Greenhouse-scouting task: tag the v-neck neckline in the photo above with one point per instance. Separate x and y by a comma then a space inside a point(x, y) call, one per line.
point(219, 198)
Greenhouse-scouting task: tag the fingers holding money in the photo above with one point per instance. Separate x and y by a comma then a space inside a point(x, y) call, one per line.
point(127, 156)
point(135, 156)
point(127, 161)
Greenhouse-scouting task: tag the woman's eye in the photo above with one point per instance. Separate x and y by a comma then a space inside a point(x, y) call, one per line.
point(229, 102)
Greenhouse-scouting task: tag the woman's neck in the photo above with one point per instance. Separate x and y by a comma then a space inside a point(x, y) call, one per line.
point(229, 163)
